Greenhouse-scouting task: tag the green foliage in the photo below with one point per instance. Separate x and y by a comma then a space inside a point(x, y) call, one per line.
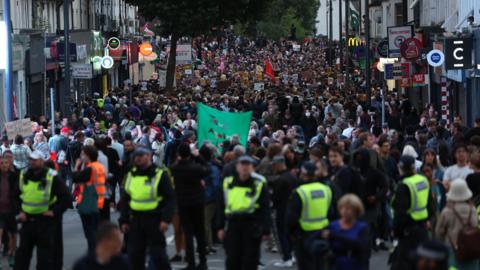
point(281, 14)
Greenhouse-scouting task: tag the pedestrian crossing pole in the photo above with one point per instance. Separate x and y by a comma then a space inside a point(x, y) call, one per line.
point(52, 109)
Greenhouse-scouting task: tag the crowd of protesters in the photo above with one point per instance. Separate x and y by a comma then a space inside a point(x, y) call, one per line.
point(305, 127)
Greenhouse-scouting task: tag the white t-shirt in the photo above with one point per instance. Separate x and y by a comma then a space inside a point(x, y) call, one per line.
point(453, 172)
point(348, 132)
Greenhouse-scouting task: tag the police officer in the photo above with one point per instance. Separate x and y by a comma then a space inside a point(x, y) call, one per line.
point(308, 214)
point(44, 197)
point(245, 214)
point(412, 207)
point(148, 207)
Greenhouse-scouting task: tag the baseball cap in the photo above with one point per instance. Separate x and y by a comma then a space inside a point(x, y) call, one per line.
point(278, 159)
point(140, 151)
point(246, 159)
point(36, 155)
point(309, 168)
point(406, 161)
point(65, 130)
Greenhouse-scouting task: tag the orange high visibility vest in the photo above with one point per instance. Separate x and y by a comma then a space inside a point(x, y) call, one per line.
point(97, 178)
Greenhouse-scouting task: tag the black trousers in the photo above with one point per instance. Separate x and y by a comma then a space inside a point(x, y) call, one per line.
point(90, 225)
point(145, 232)
point(242, 245)
point(58, 244)
point(284, 239)
point(192, 220)
point(307, 257)
point(38, 232)
point(407, 244)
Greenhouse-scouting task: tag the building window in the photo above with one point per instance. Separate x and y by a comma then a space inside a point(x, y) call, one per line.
point(398, 14)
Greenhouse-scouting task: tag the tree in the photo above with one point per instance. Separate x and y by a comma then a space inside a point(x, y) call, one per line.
point(189, 18)
point(281, 14)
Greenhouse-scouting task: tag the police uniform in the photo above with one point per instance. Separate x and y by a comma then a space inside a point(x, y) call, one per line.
point(412, 207)
point(245, 215)
point(307, 214)
point(40, 192)
point(148, 199)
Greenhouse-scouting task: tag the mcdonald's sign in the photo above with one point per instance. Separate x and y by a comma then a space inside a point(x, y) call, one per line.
point(354, 41)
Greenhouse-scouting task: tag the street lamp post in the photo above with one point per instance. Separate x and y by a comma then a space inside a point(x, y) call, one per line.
point(331, 31)
point(8, 95)
point(347, 52)
point(66, 32)
point(367, 52)
point(340, 33)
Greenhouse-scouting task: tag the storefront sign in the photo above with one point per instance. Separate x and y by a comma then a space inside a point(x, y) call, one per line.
point(458, 53)
point(418, 80)
point(435, 58)
point(82, 71)
point(396, 36)
point(354, 41)
point(113, 43)
point(382, 48)
point(411, 48)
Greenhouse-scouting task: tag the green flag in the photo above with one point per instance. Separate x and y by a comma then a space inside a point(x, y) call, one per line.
point(354, 19)
point(215, 126)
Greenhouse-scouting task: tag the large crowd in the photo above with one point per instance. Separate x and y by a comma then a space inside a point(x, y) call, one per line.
point(309, 125)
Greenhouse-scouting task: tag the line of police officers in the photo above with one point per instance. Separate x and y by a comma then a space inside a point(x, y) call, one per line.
point(244, 219)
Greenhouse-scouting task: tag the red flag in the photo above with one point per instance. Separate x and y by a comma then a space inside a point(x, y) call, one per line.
point(269, 70)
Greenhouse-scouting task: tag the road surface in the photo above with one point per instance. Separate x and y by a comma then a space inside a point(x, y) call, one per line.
point(75, 246)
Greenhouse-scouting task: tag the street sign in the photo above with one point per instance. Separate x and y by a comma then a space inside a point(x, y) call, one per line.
point(388, 71)
point(396, 71)
point(410, 48)
point(396, 36)
point(458, 53)
point(81, 71)
point(382, 48)
point(146, 48)
point(435, 58)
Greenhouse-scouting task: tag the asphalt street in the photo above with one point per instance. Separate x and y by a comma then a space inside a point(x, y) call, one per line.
point(75, 247)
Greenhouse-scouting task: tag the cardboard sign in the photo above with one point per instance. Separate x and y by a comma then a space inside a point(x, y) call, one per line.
point(19, 127)
point(259, 86)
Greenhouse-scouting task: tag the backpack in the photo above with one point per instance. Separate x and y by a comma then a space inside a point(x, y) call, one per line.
point(467, 247)
point(88, 206)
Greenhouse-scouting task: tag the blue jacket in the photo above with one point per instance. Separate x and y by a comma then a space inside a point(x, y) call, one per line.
point(212, 183)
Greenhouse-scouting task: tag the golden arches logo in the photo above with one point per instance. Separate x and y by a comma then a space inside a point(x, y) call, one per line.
point(354, 41)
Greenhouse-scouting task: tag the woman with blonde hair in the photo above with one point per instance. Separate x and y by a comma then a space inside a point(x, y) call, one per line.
point(348, 236)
